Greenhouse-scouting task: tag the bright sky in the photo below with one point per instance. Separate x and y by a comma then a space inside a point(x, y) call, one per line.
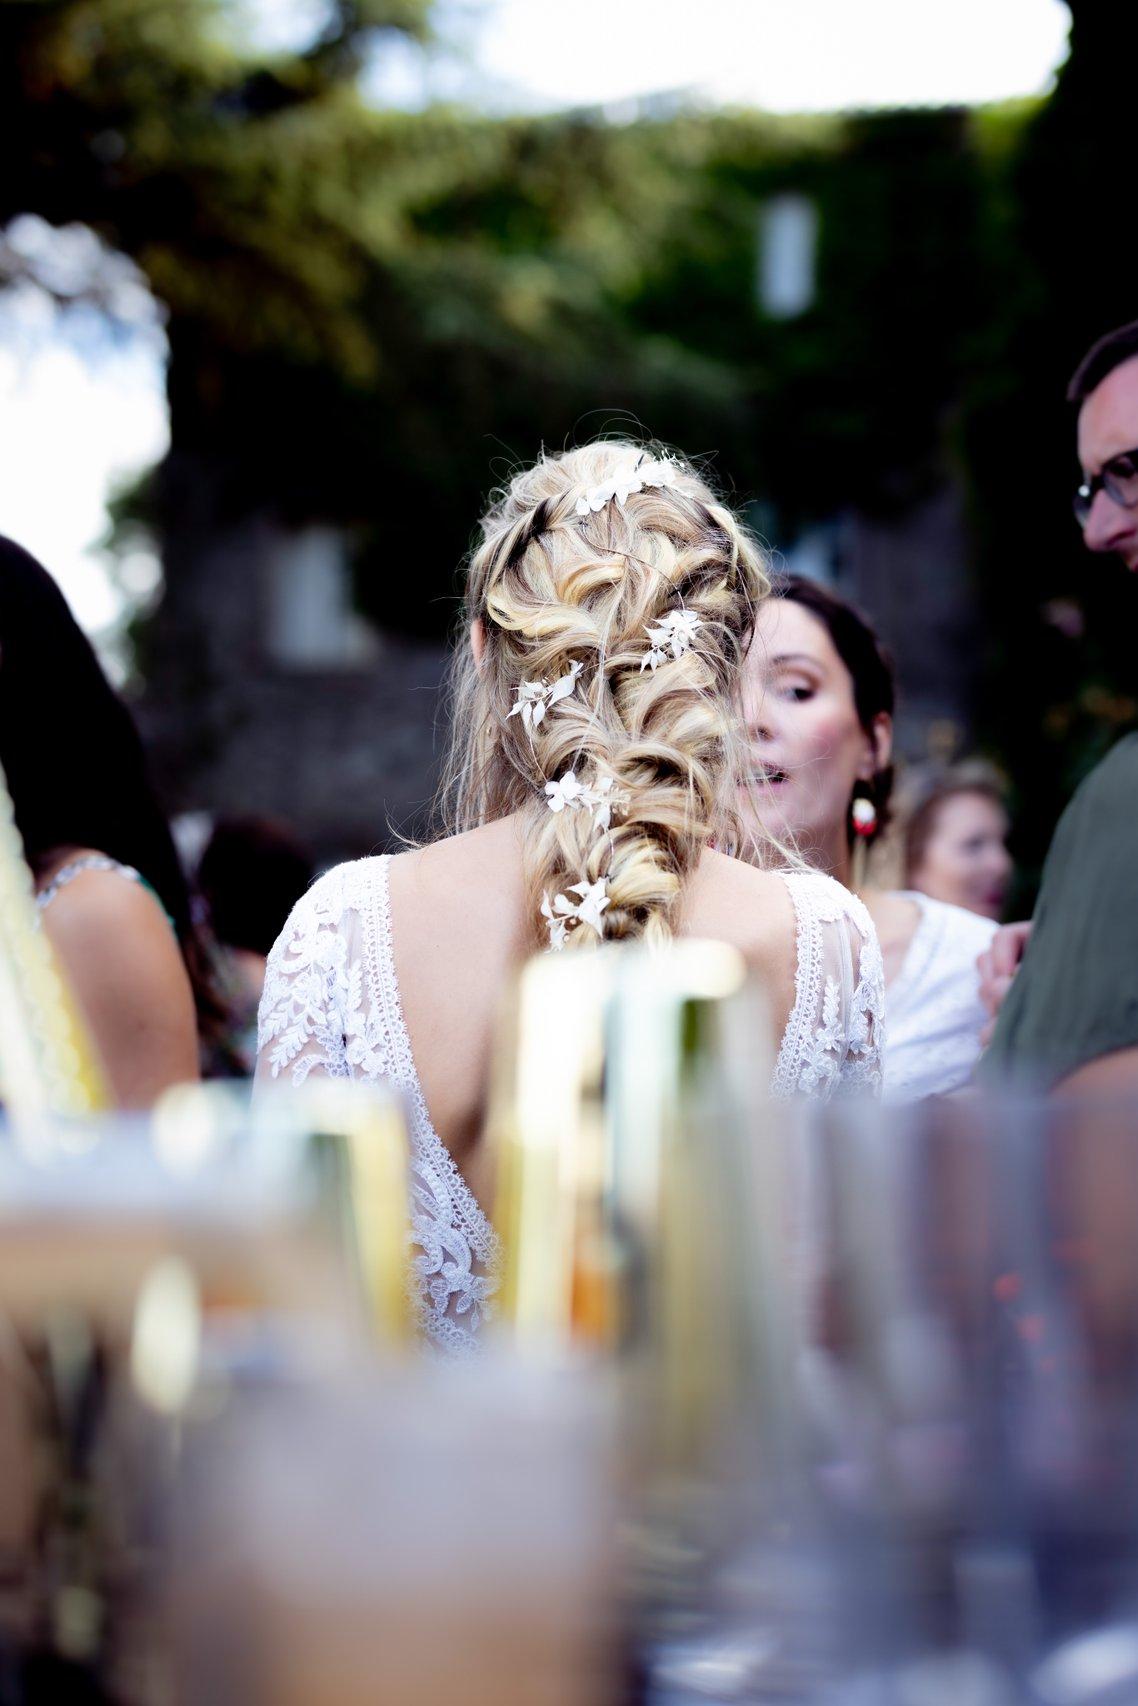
point(82, 411)
point(78, 415)
point(784, 55)
point(71, 428)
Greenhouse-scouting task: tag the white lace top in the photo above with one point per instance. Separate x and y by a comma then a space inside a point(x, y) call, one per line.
point(933, 1004)
point(331, 1005)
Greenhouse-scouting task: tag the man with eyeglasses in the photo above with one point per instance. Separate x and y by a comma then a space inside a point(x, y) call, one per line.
point(1069, 1013)
point(1105, 386)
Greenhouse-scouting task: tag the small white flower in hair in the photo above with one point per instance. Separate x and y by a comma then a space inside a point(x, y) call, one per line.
point(565, 792)
point(558, 921)
point(624, 483)
point(595, 498)
point(594, 899)
point(602, 799)
point(671, 637)
point(534, 698)
point(661, 473)
point(565, 914)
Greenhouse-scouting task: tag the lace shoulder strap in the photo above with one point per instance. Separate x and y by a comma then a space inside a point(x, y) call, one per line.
point(313, 984)
point(75, 867)
point(835, 1034)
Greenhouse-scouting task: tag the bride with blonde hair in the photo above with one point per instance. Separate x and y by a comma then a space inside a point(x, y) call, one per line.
point(592, 793)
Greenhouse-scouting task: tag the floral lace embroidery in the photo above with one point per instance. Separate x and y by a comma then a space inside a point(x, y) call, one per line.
point(834, 1036)
point(330, 1010)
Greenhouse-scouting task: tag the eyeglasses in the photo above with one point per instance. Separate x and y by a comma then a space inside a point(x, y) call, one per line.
point(1118, 479)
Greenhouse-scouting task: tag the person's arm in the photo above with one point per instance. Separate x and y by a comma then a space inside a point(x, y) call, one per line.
point(997, 967)
point(122, 962)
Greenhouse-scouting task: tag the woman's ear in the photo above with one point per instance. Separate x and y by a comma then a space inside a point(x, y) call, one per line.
point(877, 747)
point(478, 641)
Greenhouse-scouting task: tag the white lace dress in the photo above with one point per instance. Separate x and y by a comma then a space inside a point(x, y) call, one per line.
point(331, 1005)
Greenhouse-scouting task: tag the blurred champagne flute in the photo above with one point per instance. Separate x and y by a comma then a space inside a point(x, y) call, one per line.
point(150, 1271)
point(644, 1216)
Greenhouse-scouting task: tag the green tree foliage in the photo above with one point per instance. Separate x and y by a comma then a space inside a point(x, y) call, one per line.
point(372, 314)
point(367, 307)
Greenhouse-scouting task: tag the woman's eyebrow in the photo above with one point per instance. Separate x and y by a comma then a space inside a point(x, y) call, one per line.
point(794, 657)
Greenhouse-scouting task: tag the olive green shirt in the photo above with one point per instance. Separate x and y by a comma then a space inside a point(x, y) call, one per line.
point(1075, 997)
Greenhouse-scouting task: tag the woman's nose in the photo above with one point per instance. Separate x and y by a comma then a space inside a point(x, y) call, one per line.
point(760, 718)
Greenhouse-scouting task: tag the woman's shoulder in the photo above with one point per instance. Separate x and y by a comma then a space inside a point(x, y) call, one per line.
point(824, 899)
point(342, 888)
point(118, 951)
point(777, 907)
point(89, 897)
point(744, 898)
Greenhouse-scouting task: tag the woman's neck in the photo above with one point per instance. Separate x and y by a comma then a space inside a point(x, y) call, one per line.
point(895, 918)
point(832, 854)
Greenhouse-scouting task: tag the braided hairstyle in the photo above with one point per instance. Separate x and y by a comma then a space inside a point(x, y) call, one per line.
point(554, 588)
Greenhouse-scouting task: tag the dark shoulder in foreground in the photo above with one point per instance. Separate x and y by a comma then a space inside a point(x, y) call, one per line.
point(1114, 780)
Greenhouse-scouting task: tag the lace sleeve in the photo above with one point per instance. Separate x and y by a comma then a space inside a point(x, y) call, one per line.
point(308, 989)
point(834, 1037)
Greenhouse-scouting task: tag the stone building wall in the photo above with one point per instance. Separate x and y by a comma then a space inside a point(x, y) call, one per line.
point(346, 754)
point(269, 696)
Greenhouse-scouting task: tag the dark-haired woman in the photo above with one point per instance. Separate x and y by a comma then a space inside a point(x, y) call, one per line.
point(110, 892)
point(820, 696)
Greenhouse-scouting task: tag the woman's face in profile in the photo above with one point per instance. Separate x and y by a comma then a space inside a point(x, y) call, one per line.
point(809, 747)
point(966, 861)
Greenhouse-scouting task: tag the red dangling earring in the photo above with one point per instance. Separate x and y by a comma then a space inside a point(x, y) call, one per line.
point(864, 815)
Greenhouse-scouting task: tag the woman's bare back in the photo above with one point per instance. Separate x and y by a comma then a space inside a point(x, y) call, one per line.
point(392, 971)
point(459, 927)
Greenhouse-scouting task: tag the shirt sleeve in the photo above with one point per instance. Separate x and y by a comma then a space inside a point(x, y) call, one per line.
point(1075, 997)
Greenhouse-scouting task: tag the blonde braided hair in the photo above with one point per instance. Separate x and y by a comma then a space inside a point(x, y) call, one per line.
point(554, 588)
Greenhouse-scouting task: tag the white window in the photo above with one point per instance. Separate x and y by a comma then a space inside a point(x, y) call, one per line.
point(788, 243)
point(311, 621)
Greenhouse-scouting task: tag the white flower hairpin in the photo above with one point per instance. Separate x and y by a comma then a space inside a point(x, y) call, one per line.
point(626, 481)
point(535, 698)
point(564, 914)
point(671, 637)
point(602, 799)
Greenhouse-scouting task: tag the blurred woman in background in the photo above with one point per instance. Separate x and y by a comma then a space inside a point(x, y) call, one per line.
point(956, 845)
point(820, 695)
point(110, 892)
